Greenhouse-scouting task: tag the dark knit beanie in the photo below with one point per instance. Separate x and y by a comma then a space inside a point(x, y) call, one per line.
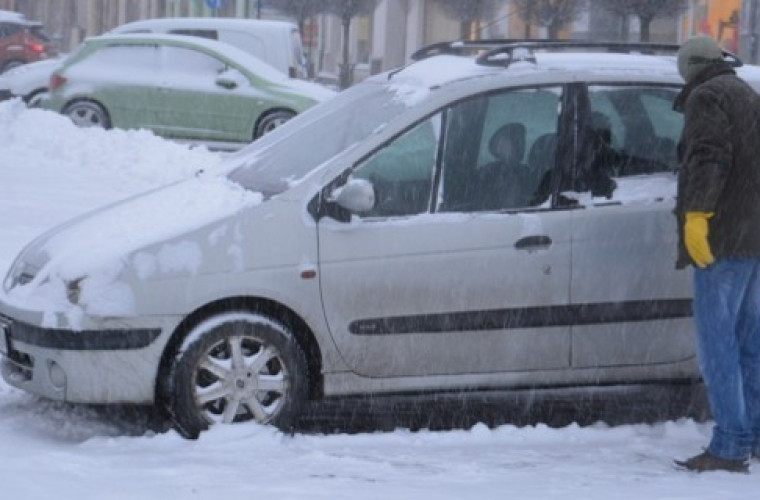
point(696, 54)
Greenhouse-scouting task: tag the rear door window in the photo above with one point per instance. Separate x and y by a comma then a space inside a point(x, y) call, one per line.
point(125, 59)
point(638, 125)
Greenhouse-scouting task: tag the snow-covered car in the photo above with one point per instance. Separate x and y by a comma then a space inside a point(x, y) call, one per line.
point(185, 88)
point(378, 243)
point(278, 43)
point(22, 41)
point(28, 81)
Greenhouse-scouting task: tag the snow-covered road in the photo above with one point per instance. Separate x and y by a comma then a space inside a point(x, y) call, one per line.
point(51, 171)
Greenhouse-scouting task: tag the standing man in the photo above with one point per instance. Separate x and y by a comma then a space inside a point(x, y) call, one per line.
point(718, 211)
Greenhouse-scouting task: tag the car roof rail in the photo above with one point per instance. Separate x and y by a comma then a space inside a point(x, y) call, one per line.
point(464, 47)
point(506, 54)
point(504, 51)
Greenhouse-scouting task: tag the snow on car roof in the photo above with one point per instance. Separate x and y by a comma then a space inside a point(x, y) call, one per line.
point(252, 63)
point(442, 69)
point(7, 15)
point(202, 23)
point(239, 56)
point(17, 17)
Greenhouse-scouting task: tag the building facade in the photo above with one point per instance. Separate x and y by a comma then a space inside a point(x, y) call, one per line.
point(396, 29)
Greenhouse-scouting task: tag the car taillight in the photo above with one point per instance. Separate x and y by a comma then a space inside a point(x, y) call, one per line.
point(37, 47)
point(57, 81)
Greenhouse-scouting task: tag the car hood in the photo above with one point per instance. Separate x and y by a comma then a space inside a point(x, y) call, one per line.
point(79, 267)
point(29, 77)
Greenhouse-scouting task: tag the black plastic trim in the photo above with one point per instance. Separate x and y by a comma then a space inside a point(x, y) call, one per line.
point(85, 340)
point(527, 317)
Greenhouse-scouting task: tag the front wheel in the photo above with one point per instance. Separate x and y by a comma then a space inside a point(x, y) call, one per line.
point(238, 367)
point(271, 121)
point(87, 114)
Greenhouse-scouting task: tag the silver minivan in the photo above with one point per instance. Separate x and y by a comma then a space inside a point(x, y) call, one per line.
point(386, 241)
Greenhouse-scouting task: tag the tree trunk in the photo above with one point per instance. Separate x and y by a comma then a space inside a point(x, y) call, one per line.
point(625, 28)
point(345, 70)
point(645, 23)
point(528, 18)
point(464, 30)
point(553, 31)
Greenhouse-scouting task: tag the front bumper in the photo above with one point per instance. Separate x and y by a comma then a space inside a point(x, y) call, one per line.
point(98, 366)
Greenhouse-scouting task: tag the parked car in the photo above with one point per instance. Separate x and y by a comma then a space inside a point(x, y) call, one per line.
point(28, 81)
point(380, 243)
point(277, 43)
point(22, 41)
point(180, 87)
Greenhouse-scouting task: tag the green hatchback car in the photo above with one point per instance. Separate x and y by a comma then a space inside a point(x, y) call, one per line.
point(180, 87)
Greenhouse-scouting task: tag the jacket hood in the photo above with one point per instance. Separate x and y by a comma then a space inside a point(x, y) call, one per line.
point(711, 71)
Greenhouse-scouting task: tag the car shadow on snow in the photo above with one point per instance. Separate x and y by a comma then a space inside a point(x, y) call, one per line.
point(613, 405)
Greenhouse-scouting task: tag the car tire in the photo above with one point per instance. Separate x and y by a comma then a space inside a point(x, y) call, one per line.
point(219, 371)
point(87, 114)
point(271, 121)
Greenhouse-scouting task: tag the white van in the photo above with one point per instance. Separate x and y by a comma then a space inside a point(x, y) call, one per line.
point(275, 42)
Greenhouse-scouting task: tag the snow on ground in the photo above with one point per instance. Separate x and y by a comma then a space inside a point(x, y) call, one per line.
point(51, 171)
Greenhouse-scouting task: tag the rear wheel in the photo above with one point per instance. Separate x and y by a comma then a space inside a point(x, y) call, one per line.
point(271, 121)
point(87, 114)
point(238, 367)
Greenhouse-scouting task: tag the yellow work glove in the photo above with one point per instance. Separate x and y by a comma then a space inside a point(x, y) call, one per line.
point(695, 233)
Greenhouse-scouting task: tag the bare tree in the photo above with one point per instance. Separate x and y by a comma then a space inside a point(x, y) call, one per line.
point(550, 14)
point(346, 10)
point(469, 13)
point(302, 11)
point(646, 11)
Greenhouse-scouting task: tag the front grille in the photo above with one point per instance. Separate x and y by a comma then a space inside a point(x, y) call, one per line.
point(5, 94)
point(21, 364)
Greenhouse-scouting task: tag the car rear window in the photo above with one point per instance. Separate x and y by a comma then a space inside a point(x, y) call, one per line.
point(39, 33)
point(8, 29)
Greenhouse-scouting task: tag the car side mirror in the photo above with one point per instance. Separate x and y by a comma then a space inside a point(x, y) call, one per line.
point(230, 79)
point(226, 82)
point(357, 195)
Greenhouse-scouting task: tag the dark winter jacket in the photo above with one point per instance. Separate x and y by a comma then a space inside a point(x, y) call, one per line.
point(719, 162)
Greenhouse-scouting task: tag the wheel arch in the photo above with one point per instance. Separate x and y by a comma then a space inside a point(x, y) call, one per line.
point(268, 112)
point(77, 99)
point(29, 98)
point(258, 305)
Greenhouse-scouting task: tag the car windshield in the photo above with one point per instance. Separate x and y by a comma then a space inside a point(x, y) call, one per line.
point(273, 163)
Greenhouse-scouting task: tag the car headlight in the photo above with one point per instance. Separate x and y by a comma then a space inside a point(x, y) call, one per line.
point(74, 291)
point(21, 273)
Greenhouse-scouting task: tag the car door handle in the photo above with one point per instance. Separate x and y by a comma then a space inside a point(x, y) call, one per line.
point(533, 243)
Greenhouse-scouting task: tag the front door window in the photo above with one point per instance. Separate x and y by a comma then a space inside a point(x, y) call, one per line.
point(500, 150)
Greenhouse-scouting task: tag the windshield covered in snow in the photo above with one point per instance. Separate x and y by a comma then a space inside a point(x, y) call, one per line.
point(273, 163)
